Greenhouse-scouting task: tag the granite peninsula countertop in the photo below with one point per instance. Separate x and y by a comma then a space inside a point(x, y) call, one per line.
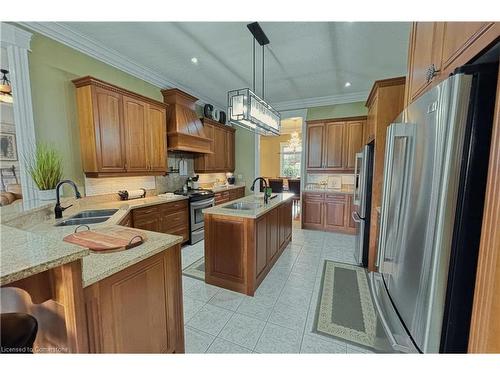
point(30, 243)
point(252, 213)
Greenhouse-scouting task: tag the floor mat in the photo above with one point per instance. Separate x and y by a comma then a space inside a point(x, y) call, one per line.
point(345, 308)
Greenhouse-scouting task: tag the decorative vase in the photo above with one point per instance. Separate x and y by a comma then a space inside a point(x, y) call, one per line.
point(47, 195)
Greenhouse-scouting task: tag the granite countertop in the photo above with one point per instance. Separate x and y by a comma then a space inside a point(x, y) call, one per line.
point(251, 213)
point(218, 189)
point(33, 246)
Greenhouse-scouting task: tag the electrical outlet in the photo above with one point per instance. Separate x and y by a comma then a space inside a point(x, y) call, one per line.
point(240, 176)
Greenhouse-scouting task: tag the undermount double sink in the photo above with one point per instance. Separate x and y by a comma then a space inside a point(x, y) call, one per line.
point(88, 217)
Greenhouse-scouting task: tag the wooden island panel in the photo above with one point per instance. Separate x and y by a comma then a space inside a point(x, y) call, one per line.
point(240, 251)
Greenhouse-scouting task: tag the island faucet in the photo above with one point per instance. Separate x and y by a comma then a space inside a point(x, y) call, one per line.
point(58, 210)
point(266, 196)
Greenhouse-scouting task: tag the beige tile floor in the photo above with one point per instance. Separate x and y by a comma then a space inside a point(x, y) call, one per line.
point(279, 318)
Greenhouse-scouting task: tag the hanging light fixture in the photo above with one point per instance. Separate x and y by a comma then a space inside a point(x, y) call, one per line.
point(295, 142)
point(5, 88)
point(245, 107)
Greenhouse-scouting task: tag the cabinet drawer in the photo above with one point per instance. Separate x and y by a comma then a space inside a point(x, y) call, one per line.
point(174, 220)
point(314, 196)
point(335, 197)
point(146, 211)
point(172, 207)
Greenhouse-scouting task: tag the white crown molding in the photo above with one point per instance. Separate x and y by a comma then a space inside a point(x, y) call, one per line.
point(11, 35)
point(321, 101)
point(90, 47)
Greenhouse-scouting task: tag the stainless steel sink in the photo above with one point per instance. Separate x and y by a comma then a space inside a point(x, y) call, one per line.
point(243, 206)
point(87, 220)
point(94, 213)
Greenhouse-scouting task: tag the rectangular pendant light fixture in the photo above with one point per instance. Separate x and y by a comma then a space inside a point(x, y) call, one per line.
point(245, 108)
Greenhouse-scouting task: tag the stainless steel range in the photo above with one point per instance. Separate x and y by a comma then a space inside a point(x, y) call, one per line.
point(198, 200)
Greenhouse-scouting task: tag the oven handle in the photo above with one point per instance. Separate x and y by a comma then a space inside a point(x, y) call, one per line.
point(203, 203)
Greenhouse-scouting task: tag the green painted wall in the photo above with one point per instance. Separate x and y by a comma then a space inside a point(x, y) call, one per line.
point(52, 67)
point(245, 157)
point(337, 111)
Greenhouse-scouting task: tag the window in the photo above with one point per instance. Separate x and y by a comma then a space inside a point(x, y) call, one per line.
point(290, 160)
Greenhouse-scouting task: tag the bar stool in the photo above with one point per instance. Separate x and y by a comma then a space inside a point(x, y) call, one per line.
point(18, 333)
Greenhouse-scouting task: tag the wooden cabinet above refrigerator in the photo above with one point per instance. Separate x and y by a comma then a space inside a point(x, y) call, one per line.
point(121, 133)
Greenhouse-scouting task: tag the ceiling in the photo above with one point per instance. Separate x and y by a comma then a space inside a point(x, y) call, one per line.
point(303, 61)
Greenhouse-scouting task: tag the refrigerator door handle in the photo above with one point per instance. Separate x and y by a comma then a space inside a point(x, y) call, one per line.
point(395, 130)
point(357, 190)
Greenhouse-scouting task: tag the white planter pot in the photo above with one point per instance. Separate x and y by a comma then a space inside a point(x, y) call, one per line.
point(47, 195)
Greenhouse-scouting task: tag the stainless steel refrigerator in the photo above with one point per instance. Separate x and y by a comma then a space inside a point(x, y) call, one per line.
point(363, 169)
point(433, 196)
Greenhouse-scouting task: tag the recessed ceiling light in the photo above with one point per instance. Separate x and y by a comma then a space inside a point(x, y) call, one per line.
point(347, 84)
point(194, 60)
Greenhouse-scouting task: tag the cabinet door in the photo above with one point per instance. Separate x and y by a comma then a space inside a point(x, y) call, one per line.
point(156, 138)
point(315, 141)
point(272, 235)
point(261, 245)
point(371, 120)
point(353, 142)
point(282, 211)
point(457, 36)
point(135, 118)
point(334, 142)
point(147, 218)
point(210, 158)
point(425, 50)
point(109, 132)
point(220, 148)
point(134, 311)
point(335, 212)
point(230, 156)
point(313, 212)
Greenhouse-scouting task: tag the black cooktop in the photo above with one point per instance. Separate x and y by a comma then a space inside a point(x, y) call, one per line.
point(195, 194)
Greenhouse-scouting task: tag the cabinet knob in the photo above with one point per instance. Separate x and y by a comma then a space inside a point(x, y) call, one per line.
point(431, 73)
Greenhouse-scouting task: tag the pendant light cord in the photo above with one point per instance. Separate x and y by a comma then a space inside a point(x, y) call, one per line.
point(263, 72)
point(253, 65)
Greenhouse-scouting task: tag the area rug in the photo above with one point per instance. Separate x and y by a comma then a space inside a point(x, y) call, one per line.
point(345, 309)
point(196, 269)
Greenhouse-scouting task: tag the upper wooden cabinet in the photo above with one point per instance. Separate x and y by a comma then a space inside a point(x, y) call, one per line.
point(331, 145)
point(222, 158)
point(437, 48)
point(121, 133)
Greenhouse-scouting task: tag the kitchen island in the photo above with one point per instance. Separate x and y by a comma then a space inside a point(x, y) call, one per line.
point(128, 301)
point(244, 239)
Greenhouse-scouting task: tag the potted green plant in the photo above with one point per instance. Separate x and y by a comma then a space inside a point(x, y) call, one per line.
point(45, 168)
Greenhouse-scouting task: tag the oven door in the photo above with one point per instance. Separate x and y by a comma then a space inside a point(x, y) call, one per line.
point(197, 221)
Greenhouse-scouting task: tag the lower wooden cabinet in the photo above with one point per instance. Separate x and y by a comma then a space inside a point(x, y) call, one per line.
point(139, 309)
point(229, 195)
point(171, 218)
point(328, 211)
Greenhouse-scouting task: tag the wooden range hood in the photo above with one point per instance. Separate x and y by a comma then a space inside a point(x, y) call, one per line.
point(184, 128)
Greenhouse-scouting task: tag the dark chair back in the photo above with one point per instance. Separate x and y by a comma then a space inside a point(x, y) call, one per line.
point(276, 185)
point(294, 187)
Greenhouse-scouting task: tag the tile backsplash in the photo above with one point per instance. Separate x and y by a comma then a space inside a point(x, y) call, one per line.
point(109, 185)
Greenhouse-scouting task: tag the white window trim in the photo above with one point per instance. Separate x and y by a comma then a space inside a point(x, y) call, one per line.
point(17, 43)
